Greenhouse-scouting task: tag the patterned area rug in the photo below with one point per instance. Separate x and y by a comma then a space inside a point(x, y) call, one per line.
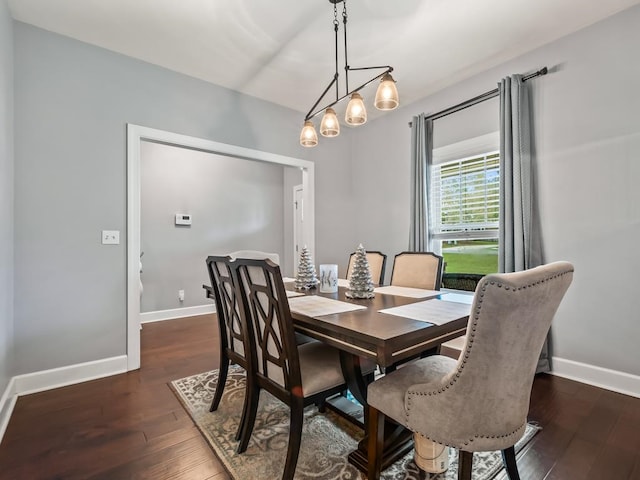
point(326, 438)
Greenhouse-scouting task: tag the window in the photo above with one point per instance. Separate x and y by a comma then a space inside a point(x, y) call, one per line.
point(465, 208)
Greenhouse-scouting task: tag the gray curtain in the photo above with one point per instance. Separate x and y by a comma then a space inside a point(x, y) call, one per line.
point(518, 238)
point(421, 152)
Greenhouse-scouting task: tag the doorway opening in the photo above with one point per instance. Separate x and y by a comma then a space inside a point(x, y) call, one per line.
point(137, 134)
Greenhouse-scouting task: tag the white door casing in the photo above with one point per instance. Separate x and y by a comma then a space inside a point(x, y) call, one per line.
point(137, 134)
point(298, 224)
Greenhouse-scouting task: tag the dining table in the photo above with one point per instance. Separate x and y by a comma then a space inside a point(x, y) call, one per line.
point(393, 327)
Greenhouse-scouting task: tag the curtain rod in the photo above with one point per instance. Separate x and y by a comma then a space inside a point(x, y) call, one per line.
point(480, 98)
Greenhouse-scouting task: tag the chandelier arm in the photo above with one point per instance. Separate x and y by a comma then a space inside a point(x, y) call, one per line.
point(388, 67)
point(320, 110)
point(333, 80)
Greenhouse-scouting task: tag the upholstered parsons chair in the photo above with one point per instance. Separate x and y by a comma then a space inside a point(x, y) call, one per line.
point(377, 262)
point(417, 270)
point(481, 401)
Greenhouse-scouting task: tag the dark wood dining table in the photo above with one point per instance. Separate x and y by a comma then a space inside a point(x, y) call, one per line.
point(385, 339)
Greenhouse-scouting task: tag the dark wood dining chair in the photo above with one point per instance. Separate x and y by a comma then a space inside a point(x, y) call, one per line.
point(232, 328)
point(377, 262)
point(297, 375)
point(479, 402)
point(417, 270)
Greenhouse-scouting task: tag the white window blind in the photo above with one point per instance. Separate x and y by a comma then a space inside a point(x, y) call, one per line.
point(465, 197)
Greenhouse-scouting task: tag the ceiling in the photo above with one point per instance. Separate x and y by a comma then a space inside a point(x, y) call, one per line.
point(283, 51)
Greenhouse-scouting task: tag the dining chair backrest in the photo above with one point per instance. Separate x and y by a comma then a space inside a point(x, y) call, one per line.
point(232, 334)
point(481, 401)
point(276, 362)
point(488, 390)
point(377, 262)
point(255, 255)
point(233, 331)
point(417, 270)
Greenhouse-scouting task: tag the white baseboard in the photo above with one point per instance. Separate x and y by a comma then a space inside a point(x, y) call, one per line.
point(7, 402)
point(613, 380)
point(161, 315)
point(69, 375)
point(55, 378)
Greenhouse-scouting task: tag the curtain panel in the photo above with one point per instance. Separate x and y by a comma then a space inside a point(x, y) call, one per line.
point(421, 154)
point(518, 238)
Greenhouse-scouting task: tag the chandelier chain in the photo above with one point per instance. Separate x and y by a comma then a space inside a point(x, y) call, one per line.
point(344, 28)
point(336, 24)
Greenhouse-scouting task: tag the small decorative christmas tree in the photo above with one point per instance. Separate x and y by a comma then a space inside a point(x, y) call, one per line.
point(360, 283)
point(306, 277)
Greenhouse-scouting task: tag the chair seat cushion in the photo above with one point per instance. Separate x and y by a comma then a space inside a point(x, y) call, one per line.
point(388, 393)
point(320, 367)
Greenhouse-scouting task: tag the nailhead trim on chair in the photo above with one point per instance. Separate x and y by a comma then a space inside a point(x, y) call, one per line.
point(470, 337)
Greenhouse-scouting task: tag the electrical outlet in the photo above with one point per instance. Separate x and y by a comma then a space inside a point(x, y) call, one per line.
point(181, 295)
point(111, 237)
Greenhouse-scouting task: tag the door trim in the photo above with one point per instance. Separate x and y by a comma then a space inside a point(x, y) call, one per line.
point(137, 134)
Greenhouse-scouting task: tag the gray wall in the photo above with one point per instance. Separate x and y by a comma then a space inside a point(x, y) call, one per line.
point(473, 122)
point(587, 135)
point(72, 103)
point(337, 208)
point(235, 205)
point(6, 196)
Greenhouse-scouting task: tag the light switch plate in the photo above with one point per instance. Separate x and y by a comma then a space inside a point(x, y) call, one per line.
point(111, 237)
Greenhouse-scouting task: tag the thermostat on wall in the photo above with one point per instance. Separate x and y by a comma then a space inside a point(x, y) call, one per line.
point(183, 219)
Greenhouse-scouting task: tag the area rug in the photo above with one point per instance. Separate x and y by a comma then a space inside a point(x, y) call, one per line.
point(327, 438)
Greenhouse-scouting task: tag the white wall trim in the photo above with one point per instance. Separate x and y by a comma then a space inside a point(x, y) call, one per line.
point(69, 375)
point(613, 380)
point(137, 134)
point(7, 402)
point(160, 315)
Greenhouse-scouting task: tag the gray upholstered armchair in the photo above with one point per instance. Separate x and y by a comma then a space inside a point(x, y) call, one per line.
point(481, 401)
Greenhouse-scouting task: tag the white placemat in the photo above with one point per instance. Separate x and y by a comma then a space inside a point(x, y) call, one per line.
point(315, 306)
point(291, 293)
point(407, 292)
point(458, 298)
point(434, 311)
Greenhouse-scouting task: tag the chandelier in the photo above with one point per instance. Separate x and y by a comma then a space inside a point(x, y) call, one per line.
point(356, 113)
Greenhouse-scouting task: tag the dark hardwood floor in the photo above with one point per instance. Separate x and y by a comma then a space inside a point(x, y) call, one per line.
point(131, 426)
point(125, 426)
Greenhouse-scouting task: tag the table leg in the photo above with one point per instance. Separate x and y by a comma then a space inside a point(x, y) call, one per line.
point(398, 441)
point(352, 371)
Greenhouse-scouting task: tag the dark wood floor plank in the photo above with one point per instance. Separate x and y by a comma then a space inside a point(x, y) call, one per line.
point(625, 434)
point(132, 425)
point(179, 461)
point(541, 456)
point(613, 464)
point(576, 462)
point(635, 474)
